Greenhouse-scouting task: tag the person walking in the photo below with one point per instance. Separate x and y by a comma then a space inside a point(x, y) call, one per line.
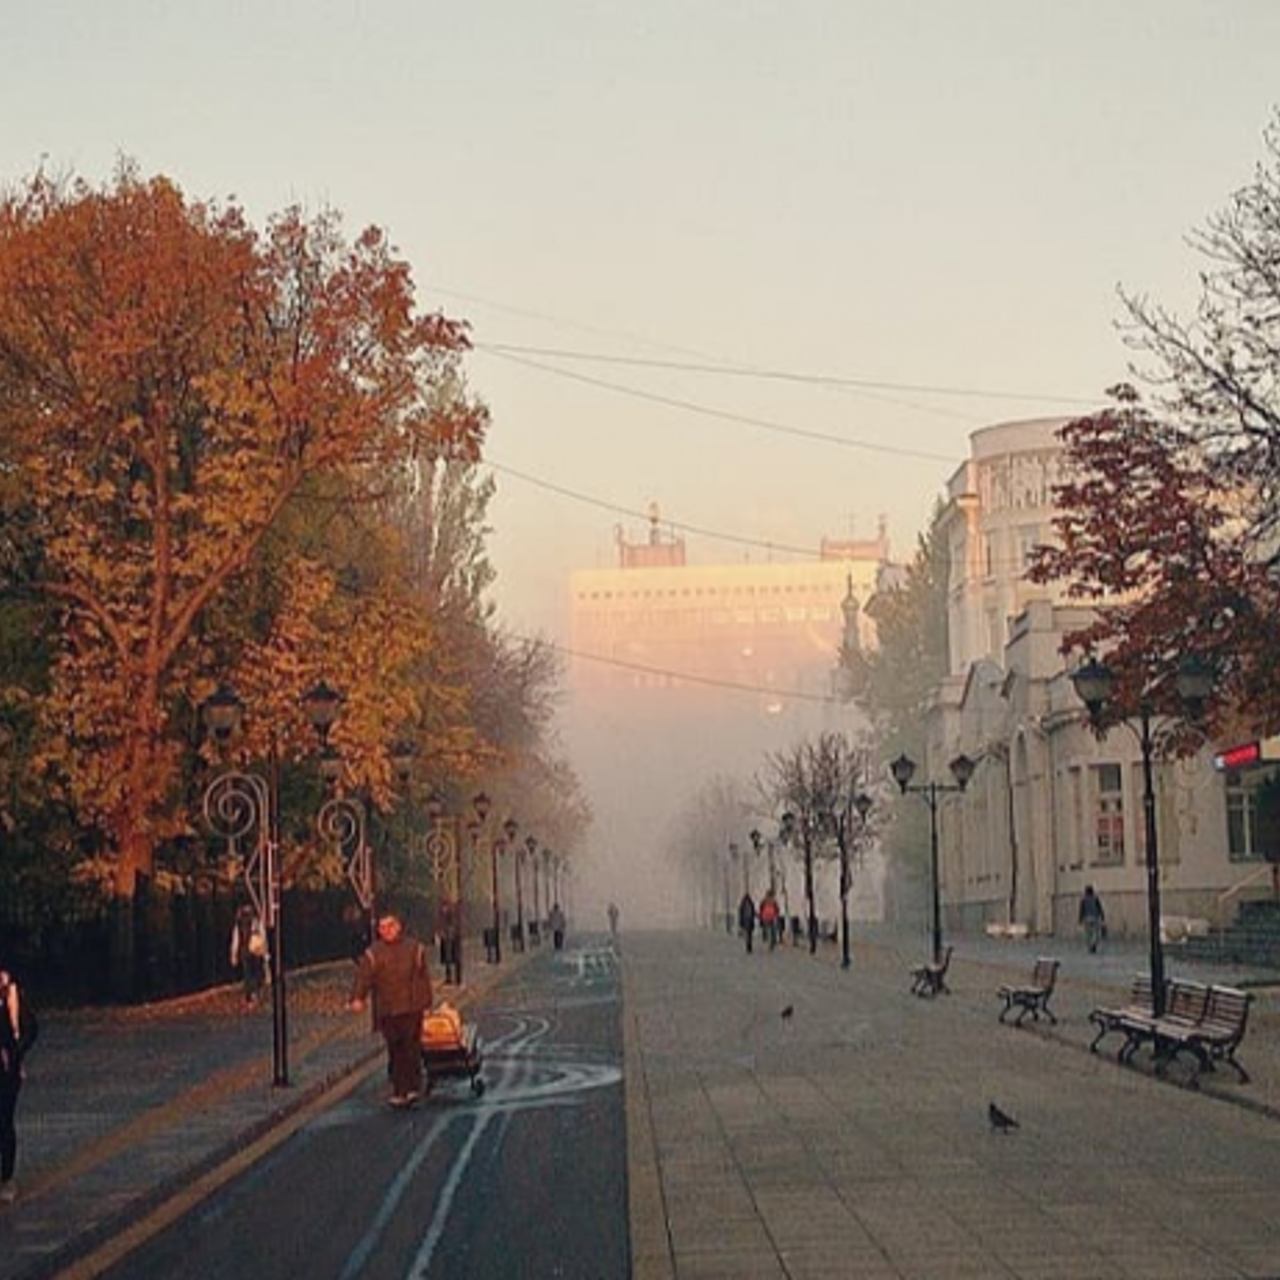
point(556, 922)
point(394, 971)
point(17, 1034)
point(1092, 917)
point(249, 953)
point(770, 915)
point(613, 919)
point(747, 920)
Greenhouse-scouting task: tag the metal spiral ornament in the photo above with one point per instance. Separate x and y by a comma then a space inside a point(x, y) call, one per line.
point(235, 804)
point(340, 823)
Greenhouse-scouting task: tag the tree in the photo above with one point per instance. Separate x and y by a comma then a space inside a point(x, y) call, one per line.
point(1147, 536)
point(911, 652)
point(817, 782)
point(172, 384)
point(1171, 519)
point(904, 671)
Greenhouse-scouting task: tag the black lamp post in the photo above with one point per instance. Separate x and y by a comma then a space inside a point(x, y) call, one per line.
point(861, 804)
point(509, 830)
point(240, 804)
point(530, 842)
point(903, 769)
point(1095, 686)
point(535, 928)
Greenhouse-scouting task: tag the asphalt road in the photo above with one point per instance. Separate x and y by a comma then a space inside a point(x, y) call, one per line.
point(527, 1180)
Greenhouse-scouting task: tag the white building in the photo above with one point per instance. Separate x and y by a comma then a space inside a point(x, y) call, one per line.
point(1052, 808)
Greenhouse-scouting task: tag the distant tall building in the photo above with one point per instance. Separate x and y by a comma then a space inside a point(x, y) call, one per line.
point(656, 622)
point(684, 672)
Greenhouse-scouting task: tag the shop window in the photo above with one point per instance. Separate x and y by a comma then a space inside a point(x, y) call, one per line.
point(1108, 840)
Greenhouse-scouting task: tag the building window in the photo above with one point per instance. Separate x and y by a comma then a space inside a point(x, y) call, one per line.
point(1028, 540)
point(1108, 840)
point(1243, 844)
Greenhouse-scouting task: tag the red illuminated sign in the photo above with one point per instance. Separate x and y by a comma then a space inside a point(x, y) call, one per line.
point(1238, 757)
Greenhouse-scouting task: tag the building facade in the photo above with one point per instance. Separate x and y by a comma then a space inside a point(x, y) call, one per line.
point(1052, 807)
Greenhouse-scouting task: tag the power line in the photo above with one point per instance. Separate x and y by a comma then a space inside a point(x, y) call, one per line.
point(780, 375)
point(697, 530)
point(737, 686)
point(725, 415)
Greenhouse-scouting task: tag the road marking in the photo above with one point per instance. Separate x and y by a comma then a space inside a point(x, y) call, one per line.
point(136, 1234)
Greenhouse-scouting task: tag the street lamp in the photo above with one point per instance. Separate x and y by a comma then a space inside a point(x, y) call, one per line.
point(861, 804)
point(240, 804)
point(804, 826)
point(1095, 686)
point(526, 853)
point(508, 840)
point(903, 769)
point(442, 847)
point(342, 821)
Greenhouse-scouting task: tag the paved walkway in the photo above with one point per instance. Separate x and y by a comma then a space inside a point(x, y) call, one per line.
point(126, 1109)
point(848, 1140)
point(851, 1139)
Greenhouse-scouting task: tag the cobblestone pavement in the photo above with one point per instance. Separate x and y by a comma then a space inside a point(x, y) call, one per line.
point(848, 1140)
point(852, 1138)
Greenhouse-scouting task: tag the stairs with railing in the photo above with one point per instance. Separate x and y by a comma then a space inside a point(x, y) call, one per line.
point(1251, 939)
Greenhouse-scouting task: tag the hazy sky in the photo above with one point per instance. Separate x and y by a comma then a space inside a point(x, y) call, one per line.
point(923, 196)
point(915, 201)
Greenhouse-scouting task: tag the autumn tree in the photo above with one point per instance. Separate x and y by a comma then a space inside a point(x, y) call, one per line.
point(172, 384)
point(1171, 504)
point(816, 783)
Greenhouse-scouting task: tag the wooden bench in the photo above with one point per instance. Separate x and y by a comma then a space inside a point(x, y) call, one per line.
point(1115, 1017)
point(1032, 997)
point(1208, 1022)
point(928, 979)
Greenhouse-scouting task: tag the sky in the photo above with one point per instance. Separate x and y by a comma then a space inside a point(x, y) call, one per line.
point(922, 200)
point(765, 263)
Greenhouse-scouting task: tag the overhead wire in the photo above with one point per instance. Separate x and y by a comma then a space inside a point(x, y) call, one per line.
point(725, 415)
point(737, 686)
point(683, 526)
point(780, 375)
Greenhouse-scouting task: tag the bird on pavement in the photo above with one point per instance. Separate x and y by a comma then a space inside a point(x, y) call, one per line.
point(1001, 1121)
point(788, 1012)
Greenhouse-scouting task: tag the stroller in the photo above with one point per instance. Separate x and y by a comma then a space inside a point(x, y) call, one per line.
point(450, 1048)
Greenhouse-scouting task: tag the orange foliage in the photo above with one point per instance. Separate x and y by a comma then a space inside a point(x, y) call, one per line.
point(169, 378)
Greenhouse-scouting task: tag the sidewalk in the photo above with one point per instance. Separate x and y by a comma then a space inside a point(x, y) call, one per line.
point(852, 1138)
point(123, 1109)
point(848, 1140)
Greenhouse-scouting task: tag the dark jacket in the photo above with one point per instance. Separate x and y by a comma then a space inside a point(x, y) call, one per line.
point(396, 975)
point(746, 913)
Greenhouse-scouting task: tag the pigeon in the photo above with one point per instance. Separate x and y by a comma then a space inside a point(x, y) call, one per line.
point(788, 1012)
point(1001, 1121)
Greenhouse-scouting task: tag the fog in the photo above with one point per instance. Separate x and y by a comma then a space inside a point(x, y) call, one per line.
point(643, 759)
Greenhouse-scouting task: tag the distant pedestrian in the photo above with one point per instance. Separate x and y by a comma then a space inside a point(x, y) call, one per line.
point(770, 918)
point(613, 919)
point(747, 920)
point(1092, 917)
point(17, 1034)
point(556, 922)
point(249, 953)
point(395, 972)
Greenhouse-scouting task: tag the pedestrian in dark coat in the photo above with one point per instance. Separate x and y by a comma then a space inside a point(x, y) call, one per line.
point(395, 973)
point(249, 953)
point(1092, 917)
point(16, 1036)
point(747, 920)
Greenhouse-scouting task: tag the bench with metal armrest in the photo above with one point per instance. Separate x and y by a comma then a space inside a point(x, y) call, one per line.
point(1031, 997)
point(931, 978)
